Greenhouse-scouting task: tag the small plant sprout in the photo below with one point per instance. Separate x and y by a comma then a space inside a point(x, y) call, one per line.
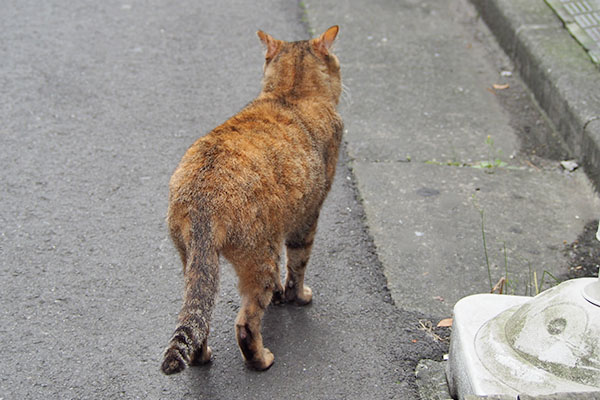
point(533, 286)
point(494, 159)
point(494, 156)
point(487, 260)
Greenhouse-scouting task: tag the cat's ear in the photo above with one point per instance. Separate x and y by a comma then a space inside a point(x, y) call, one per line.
point(270, 43)
point(325, 41)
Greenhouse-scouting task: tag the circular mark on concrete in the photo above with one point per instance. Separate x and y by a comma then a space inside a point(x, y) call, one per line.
point(556, 326)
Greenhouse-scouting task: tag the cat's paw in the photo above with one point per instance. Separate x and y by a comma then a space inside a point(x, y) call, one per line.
point(264, 362)
point(201, 357)
point(278, 297)
point(299, 297)
point(304, 298)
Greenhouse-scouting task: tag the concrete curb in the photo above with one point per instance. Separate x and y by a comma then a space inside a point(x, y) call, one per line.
point(558, 71)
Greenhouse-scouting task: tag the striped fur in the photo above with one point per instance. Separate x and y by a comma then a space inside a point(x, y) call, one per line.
point(251, 186)
point(188, 343)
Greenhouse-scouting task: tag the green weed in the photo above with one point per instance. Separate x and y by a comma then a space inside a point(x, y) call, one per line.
point(494, 156)
point(494, 159)
point(533, 286)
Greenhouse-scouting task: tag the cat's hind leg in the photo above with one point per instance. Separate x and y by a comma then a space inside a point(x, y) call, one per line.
point(257, 282)
point(298, 248)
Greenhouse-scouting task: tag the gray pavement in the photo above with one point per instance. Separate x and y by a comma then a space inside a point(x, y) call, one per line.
point(101, 99)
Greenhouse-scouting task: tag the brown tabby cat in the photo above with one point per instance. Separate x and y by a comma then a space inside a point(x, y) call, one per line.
point(249, 186)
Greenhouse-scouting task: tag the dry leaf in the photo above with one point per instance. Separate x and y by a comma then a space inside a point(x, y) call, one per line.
point(445, 323)
point(500, 87)
point(499, 287)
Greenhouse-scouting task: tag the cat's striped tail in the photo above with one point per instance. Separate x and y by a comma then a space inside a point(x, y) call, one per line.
point(188, 343)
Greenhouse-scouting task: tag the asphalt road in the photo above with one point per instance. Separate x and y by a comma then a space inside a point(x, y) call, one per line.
point(99, 101)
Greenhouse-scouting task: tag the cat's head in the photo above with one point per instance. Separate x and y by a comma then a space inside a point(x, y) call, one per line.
point(303, 69)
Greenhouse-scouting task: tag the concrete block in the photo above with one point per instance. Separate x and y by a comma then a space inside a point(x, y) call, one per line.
point(538, 346)
point(465, 372)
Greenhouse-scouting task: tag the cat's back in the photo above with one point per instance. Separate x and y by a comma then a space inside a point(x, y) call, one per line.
point(266, 149)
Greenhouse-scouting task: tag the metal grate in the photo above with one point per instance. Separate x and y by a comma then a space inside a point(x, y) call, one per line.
point(582, 19)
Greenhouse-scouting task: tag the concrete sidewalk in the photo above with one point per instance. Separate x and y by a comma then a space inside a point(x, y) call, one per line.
point(438, 151)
